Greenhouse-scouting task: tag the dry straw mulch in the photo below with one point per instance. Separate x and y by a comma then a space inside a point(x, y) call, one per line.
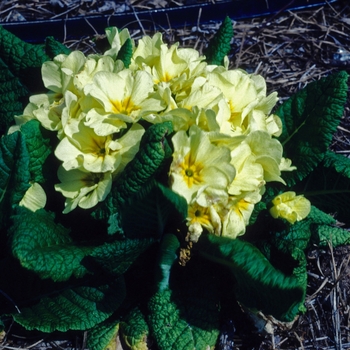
point(290, 49)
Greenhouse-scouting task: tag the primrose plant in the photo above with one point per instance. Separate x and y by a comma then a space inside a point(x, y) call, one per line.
point(148, 189)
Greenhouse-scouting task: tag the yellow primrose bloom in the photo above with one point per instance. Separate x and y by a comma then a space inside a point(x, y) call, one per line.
point(290, 207)
point(267, 152)
point(116, 40)
point(120, 98)
point(249, 174)
point(34, 198)
point(246, 102)
point(58, 74)
point(82, 188)
point(197, 164)
point(237, 212)
point(85, 149)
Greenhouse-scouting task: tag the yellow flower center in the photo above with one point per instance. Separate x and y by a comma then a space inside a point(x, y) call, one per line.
point(92, 179)
point(241, 206)
point(191, 171)
point(199, 214)
point(125, 106)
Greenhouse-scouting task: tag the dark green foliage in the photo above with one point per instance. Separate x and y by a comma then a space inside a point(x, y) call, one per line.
point(14, 173)
point(138, 176)
point(12, 92)
point(310, 118)
point(100, 336)
point(54, 48)
point(134, 330)
point(220, 44)
point(125, 53)
point(75, 308)
point(260, 285)
point(38, 149)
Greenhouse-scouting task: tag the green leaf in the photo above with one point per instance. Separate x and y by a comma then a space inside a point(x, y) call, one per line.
point(220, 45)
point(260, 285)
point(12, 93)
point(14, 173)
point(125, 53)
point(134, 330)
point(103, 336)
point(137, 177)
point(309, 119)
point(335, 236)
point(77, 308)
point(167, 256)
point(116, 257)
point(155, 210)
point(54, 48)
point(45, 247)
point(23, 59)
point(38, 149)
point(328, 187)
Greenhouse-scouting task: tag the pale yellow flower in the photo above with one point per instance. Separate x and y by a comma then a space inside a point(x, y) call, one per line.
point(82, 188)
point(120, 98)
point(237, 212)
point(116, 40)
point(34, 198)
point(291, 207)
point(97, 153)
point(197, 164)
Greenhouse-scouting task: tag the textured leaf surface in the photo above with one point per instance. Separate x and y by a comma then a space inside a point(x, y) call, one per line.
point(220, 44)
point(77, 308)
point(310, 118)
point(335, 236)
point(154, 210)
point(12, 93)
point(138, 175)
point(125, 53)
point(260, 285)
point(45, 247)
point(328, 187)
point(103, 336)
point(14, 173)
point(134, 330)
point(54, 47)
point(186, 315)
point(38, 149)
point(23, 59)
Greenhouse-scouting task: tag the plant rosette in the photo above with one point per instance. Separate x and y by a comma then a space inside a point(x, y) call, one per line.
point(146, 190)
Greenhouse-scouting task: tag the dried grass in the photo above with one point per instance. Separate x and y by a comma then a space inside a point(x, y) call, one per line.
point(290, 50)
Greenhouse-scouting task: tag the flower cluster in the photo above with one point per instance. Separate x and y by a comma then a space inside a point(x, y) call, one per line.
point(224, 146)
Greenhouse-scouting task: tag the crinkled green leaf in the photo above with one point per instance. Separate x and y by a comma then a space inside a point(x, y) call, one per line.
point(310, 118)
point(335, 236)
point(125, 53)
point(45, 247)
point(260, 285)
point(168, 254)
point(12, 93)
point(14, 173)
point(76, 308)
point(54, 47)
point(38, 148)
point(116, 257)
point(138, 175)
point(23, 59)
point(156, 209)
point(328, 187)
point(220, 45)
point(134, 330)
point(186, 315)
point(103, 336)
